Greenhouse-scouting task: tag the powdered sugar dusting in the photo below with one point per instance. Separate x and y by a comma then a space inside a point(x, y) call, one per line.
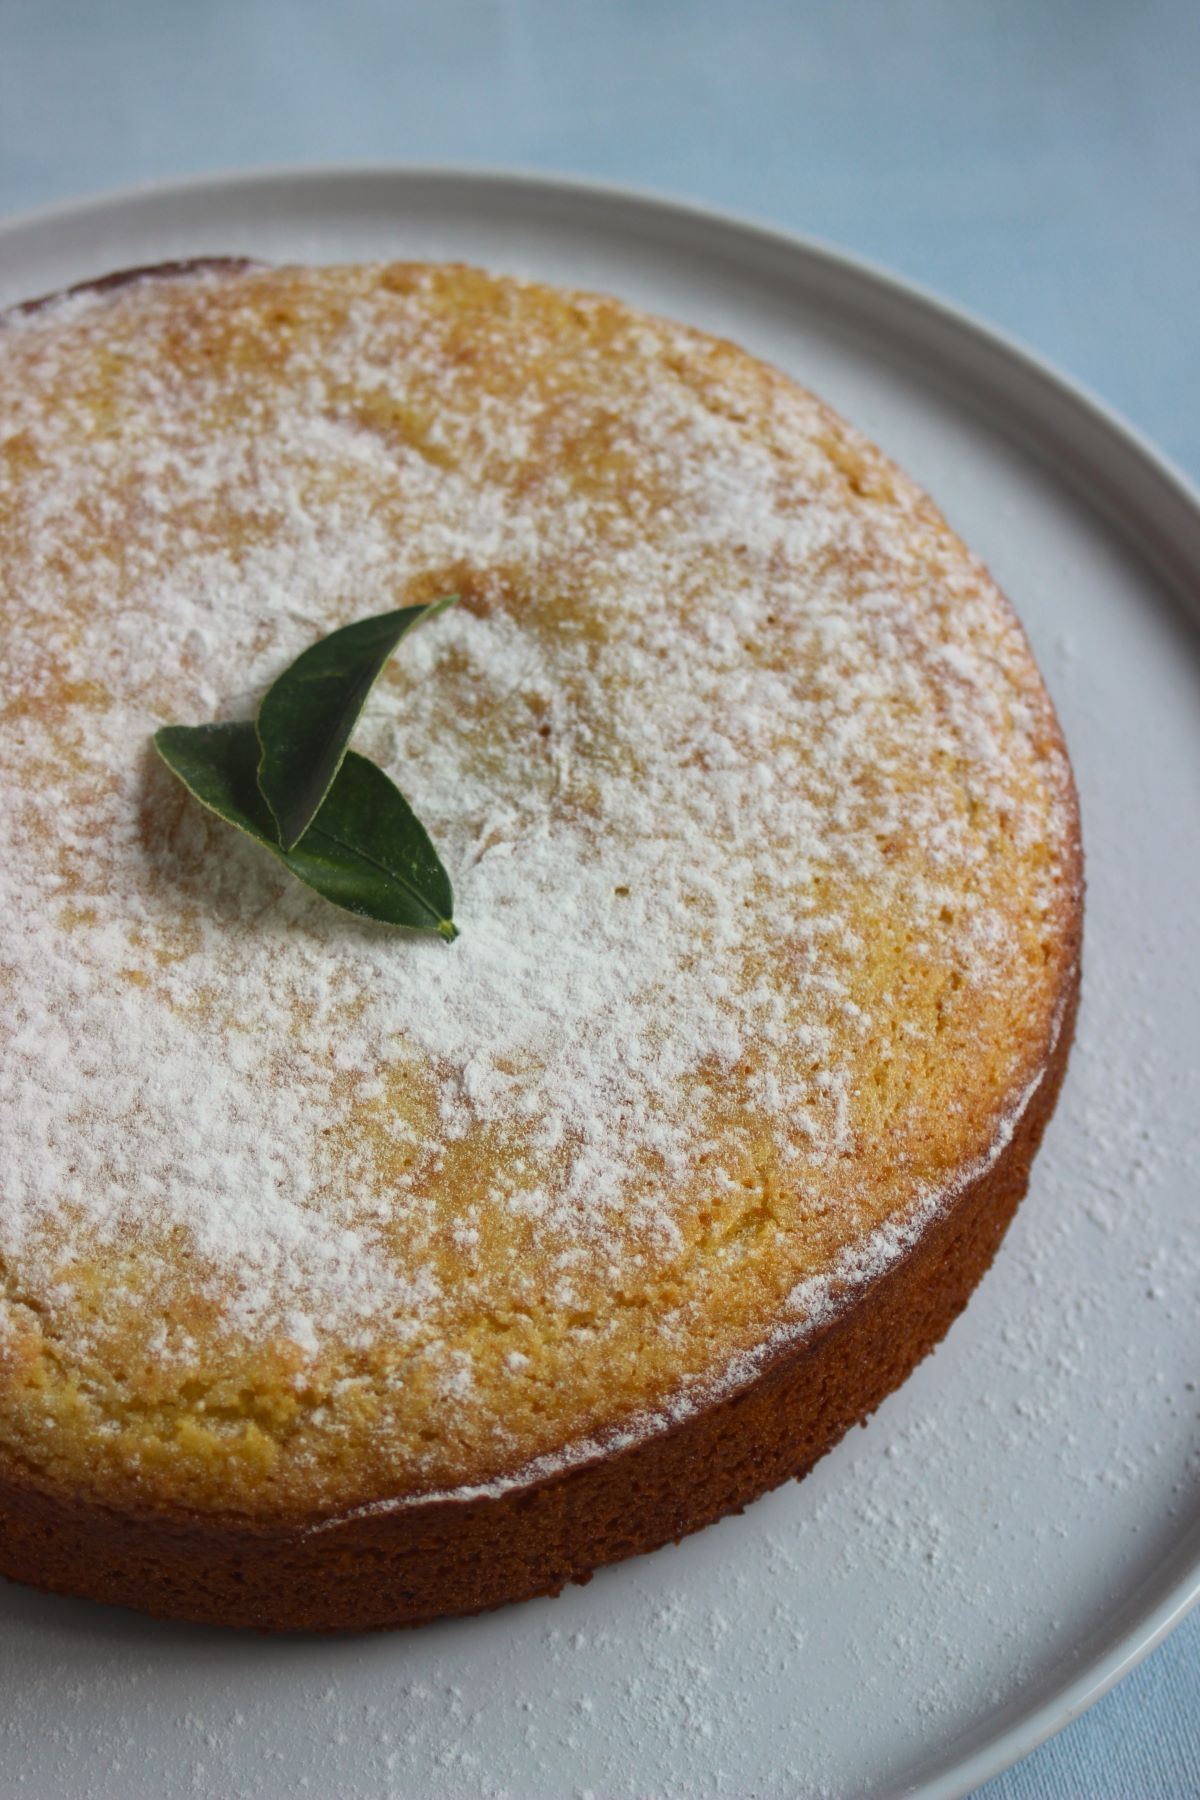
point(814, 1301)
point(713, 718)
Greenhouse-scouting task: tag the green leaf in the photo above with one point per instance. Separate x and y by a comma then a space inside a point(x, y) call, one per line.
point(307, 716)
point(366, 850)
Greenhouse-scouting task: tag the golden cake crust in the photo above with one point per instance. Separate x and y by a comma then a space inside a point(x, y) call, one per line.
point(383, 1567)
point(539, 1279)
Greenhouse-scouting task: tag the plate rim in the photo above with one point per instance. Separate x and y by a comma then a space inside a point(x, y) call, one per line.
point(1166, 502)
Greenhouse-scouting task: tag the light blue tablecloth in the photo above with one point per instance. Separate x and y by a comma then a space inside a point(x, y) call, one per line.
point(1035, 160)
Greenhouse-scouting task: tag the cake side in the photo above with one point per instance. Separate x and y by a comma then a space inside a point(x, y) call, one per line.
point(345, 1234)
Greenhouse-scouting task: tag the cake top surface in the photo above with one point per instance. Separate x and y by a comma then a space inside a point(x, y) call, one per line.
point(762, 835)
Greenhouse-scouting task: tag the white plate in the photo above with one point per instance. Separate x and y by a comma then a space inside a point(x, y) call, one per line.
point(1022, 1521)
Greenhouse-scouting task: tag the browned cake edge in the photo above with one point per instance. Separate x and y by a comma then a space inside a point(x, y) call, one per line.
point(425, 1560)
point(119, 278)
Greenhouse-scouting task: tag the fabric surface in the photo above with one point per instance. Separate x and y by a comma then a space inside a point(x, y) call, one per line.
point(1037, 164)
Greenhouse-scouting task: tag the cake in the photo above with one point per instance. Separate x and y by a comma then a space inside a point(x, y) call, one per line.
point(352, 1278)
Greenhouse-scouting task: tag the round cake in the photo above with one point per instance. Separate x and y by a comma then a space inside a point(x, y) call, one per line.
point(350, 1277)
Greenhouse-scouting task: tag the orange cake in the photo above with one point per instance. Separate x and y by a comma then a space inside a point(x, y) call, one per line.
point(349, 1277)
